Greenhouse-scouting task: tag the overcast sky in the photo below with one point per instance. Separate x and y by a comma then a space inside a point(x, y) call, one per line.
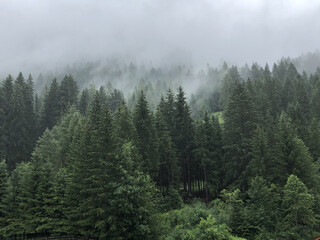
point(38, 33)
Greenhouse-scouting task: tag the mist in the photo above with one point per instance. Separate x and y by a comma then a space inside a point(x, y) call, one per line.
point(44, 35)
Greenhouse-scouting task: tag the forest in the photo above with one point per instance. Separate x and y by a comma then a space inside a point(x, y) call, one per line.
point(111, 151)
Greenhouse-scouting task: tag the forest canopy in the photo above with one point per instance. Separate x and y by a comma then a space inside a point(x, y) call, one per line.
point(220, 153)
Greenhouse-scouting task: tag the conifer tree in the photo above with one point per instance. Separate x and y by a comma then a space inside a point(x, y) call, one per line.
point(21, 137)
point(146, 137)
point(84, 101)
point(18, 202)
point(239, 125)
point(168, 174)
point(183, 138)
point(260, 158)
point(3, 195)
point(263, 209)
point(89, 154)
point(299, 217)
point(131, 199)
point(230, 81)
point(206, 156)
point(123, 129)
point(291, 156)
point(68, 93)
point(51, 106)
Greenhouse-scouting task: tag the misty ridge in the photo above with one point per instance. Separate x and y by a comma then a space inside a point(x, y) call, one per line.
point(130, 78)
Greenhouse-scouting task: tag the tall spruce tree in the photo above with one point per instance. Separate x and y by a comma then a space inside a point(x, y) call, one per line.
point(239, 125)
point(131, 197)
point(51, 106)
point(3, 195)
point(299, 217)
point(68, 93)
point(146, 138)
point(168, 174)
point(183, 138)
point(89, 155)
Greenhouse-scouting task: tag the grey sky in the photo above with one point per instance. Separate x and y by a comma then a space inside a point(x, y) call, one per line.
point(38, 33)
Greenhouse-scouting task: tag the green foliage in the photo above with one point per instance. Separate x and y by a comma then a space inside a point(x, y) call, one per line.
point(131, 198)
point(193, 222)
point(299, 217)
point(239, 125)
point(168, 167)
point(3, 194)
point(146, 138)
point(107, 173)
point(68, 93)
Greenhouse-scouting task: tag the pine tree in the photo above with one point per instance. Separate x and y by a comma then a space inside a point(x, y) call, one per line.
point(130, 197)
point(84, 101)
point(18, 202)
point(168, 174)
point(239, 125)
point(263, 209)
point(68, 93)
point(91, 150)
point(146, 137)
point(60, 204)
point(21, 137)
point(260, 155)
point(41, 204)
point(183, 138)
point(230, 81)
point(3, 195)
point(291, 156)
point(299, 217)
point(51, 106)
point(205, 154)
point(124, 129)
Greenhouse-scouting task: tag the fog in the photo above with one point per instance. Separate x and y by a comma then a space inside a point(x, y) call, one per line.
point(40, 35)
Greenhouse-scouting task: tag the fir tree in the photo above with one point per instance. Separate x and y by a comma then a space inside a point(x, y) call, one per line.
point(183, 138)
point(68, 93)
point(299, 217)
point(146, 136)
point(3, 195)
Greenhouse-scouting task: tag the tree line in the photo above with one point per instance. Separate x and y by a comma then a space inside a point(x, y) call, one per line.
point(86, 163)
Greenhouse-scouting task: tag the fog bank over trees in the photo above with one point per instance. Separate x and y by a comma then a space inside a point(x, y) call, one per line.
point(48, 35)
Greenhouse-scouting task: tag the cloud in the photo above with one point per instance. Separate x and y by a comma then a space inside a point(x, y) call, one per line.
point(45, 34)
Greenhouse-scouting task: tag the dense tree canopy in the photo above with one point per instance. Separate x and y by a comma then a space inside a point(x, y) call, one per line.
point(91, 163)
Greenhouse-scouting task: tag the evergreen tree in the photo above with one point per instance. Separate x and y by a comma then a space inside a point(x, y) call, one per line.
point(168, 174)
point(3, 195)
point(291, 156)
point(230, 81)
point(263, 209)
point(315, 103)
point(299, 217)
point(60, 204)
point(124, 129)
point(84, 101)
point(51, 106)
point(205, 155)
point(146, 137)
point(183, 138)
point(68, 93)
point(115, 97)
point(41, 204)
point(259, 164)
point(90, 152)
point(239, 125)
point(21, 136)
point(130, 199)
point(18, 202)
